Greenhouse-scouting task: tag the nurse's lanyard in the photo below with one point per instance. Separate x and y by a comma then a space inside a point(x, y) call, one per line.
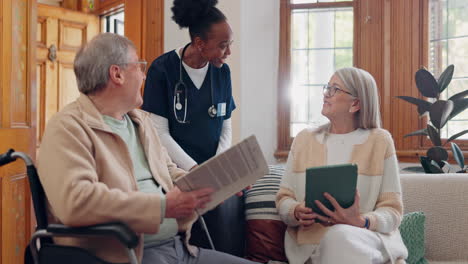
point(181, 87)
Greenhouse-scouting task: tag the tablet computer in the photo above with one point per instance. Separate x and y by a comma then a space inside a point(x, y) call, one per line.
point(338, 180)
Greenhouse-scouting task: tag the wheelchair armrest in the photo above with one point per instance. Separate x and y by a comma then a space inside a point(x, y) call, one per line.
point(118, 230)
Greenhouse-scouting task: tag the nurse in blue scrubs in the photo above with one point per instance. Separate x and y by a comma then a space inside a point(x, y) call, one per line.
point(189, 93)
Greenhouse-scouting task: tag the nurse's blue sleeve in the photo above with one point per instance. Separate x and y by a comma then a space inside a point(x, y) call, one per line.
point(155, 95)
point(230, 104)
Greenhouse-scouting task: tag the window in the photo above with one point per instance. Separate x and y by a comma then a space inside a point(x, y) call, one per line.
point(448, 44)
point(322, 41)
point(317, 37)
point(113, 23)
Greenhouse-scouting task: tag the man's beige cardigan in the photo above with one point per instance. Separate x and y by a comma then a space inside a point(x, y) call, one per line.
point(88, 178)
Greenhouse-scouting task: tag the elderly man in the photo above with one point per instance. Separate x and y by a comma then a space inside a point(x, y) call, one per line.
point(101, 161)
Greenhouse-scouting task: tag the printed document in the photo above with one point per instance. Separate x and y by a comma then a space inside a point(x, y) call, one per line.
point(228, 172)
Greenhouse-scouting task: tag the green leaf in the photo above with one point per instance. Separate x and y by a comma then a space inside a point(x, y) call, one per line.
point(459, 105)
point(437, 154)
point(440, 113)
point(423, 105)
point(449, 167)
point(414, 169)
point(458, 155)
point(445, 78)
point(426, 83)
point(435, 168)
point(425, 162)
point(456, 136)
point(459, 95)
point(417, 133)
point(434, 135)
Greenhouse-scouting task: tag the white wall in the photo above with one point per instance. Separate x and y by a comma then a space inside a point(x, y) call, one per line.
point(259, 72)
point(253, 63)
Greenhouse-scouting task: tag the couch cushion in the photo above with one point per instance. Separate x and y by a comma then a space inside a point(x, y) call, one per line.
point(412, 233)
point(443, 199)
point(265, 230)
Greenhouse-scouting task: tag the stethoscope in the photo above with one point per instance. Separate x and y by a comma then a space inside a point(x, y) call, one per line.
point(180, 87)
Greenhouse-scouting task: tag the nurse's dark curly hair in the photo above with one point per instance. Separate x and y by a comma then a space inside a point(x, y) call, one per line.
point(197, 15)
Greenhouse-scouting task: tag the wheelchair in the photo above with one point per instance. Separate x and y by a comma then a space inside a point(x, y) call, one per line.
point(50, 253)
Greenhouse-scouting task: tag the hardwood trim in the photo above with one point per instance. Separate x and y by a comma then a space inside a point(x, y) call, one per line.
point(322, 5)
point(386, 89)
point(106, 7)
point(2, 82)
point(133, 27)
point(283, 80)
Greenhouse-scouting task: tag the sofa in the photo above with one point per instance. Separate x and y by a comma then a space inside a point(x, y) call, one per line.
point(443, 198)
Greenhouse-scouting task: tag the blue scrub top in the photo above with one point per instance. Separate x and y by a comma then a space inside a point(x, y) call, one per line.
point(200, 137)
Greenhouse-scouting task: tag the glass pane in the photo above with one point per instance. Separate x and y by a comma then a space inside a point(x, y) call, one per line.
point(458, 56)
point(438, 19)
point(322, 24)
point(457, 21)
point(113, 23)
point(299, 36)
point(448, 35)
point(456, 86)
point(342, 23)
point(321, 66)
point(303, 1)
point(438, 56)
point(343, 58)
point(316, 118)
point(454, 127)
point(299, 96)
point(322, 41)
point(299, 67)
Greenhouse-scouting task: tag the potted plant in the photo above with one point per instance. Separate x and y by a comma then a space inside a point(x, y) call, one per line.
point(439, 113)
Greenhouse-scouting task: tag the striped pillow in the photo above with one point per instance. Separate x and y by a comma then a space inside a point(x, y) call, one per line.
point(265, 231)
point(260, 200)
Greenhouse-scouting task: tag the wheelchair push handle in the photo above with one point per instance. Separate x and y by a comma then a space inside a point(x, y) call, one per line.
point(7, 157)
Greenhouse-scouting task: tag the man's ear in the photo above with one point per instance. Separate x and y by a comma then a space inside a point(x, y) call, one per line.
point(356, 106)
point(115, 74)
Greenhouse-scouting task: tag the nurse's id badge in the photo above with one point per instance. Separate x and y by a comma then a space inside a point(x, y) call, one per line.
point(221, 109)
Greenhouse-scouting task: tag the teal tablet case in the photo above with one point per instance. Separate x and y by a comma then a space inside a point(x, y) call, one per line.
point(338, 180)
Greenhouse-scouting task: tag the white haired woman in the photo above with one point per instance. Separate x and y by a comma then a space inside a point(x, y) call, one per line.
point(366, 232)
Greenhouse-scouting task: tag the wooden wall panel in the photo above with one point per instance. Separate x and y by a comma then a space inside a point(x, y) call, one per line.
point(146, 28)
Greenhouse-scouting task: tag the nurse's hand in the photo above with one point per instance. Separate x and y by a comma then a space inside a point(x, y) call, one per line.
point(239, 194)
point(182, 204)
